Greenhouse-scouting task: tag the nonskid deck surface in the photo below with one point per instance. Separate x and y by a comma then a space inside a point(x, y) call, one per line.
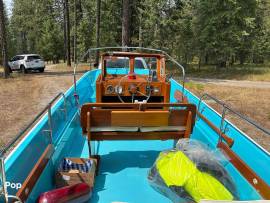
point(123, 171)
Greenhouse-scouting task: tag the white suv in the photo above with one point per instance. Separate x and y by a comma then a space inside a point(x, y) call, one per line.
point(27, 62)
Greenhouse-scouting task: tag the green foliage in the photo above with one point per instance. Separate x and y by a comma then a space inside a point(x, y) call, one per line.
point(220, 32)
point(36, 28)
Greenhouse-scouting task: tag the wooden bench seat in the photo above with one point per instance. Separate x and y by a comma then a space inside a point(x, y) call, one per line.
point(137, 121)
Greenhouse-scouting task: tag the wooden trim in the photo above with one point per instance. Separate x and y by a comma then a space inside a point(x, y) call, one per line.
point(35, 173)
point(167, 92)
point(139, 118)
point(188, 125)
point(131, 65)
point(99, 136)
point(158, 67)
point(178, 96)
point(103, 71)
point(228, 140)
point(137, 105)
point(262, 187)
point(88, 126)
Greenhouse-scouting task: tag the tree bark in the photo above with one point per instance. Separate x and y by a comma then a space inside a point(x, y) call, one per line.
point(97, 29)
point(67, 28)
point(140, 33)
point(65, 33)
point(200, 61)
point(75, 33)
point(206, 59)
point(3, 40)
point(126, 23)
point(79, 10)
point(242, 58)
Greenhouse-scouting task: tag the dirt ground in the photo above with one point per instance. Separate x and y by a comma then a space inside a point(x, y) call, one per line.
point(251, 102)
point(23, 96)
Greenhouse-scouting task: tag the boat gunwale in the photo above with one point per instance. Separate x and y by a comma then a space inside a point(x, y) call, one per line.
point(227, 120)
point(9, 160)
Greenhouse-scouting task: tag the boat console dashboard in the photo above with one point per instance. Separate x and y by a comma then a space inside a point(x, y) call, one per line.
point(132, 87)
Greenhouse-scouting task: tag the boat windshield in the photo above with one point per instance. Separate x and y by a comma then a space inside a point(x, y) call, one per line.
point(123, 62)
point(117, 63)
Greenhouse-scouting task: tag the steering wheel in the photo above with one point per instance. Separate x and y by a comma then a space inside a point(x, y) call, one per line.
point(133, 89)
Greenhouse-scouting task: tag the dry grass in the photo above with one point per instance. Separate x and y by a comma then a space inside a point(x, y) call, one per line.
point(23, 96)
point(252, 102)
point(247, 72)
point(63, 68)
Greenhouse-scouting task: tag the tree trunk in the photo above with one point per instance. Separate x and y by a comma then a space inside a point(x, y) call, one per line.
point(79, 10)
point(3, 40)
point(75, 33)
point(97, 29)
point(140, 32)
point(242, 58)
point(67, 28)
point(65, 34)
point(126, 23)
point(206, 58)
point(200, 61)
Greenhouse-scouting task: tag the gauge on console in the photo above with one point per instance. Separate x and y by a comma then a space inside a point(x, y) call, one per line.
point(109, 89)
point(119, 89)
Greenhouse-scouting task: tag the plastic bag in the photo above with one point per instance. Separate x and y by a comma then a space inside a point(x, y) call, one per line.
point(190, 173)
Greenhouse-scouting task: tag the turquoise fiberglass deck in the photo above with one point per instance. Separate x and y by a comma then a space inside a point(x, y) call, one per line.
point(124, 164)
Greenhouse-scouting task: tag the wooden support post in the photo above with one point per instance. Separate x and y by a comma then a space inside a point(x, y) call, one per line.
point(35, 173)
point(188, 125)
point(89, 132)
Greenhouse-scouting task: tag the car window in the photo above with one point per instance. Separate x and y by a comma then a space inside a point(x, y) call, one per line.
point(15, 58)
point(117, 63)
point(34, 57)
point(20, 57)
point(139, 64)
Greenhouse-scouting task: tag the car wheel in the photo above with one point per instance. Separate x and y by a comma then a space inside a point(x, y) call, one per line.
point(10, 70)
point(41, 70)
point(23, 70)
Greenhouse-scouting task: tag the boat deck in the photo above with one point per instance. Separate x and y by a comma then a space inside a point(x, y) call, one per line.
point(123, 171)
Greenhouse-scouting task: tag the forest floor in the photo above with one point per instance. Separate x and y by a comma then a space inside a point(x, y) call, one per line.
point(248, 72)
point(23, 96)
point(232, 83)
point(252, 102)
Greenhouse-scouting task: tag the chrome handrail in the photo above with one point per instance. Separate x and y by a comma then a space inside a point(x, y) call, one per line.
point(14, 140)
point(3, 191)
point(126, 48)
point(223, 115)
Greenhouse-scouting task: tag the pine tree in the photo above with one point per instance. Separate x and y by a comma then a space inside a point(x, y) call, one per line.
point(3, 39)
